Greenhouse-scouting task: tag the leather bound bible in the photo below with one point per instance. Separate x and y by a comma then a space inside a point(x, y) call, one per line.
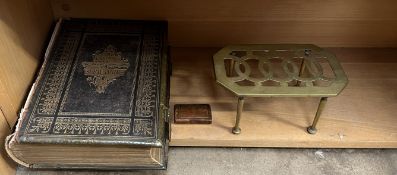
point(100, 99)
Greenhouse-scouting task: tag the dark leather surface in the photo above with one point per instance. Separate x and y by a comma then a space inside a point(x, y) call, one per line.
point(100, 85)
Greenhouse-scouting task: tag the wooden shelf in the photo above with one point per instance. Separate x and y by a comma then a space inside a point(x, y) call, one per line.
point(362, 116)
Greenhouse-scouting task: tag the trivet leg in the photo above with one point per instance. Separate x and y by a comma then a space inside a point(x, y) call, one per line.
point(236, 128)
point(312, 129)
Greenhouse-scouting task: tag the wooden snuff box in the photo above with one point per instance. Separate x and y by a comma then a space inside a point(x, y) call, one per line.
point(192, 114)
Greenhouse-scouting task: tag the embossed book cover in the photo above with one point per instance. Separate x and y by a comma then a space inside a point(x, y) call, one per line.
point(100, 99)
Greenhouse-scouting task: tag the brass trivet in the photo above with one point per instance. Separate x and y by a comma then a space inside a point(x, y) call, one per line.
point(279, 70)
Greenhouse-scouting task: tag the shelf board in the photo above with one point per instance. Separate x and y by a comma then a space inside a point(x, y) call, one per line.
point(362, 116)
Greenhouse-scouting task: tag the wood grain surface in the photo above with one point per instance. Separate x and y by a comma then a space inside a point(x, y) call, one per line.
point(7, 166)
point(362, 116)
point(24, 27)
point(204, 23)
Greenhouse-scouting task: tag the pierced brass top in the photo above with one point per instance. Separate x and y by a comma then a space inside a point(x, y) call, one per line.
point(274, 70)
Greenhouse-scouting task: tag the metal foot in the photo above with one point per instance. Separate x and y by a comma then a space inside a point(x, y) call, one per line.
point(236, 129)
point(312, 129)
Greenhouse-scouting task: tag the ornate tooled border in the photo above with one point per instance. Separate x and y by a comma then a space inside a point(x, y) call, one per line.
point(92, 126)
point(51, 89)
point(147, 91)
point(147, 94)
point(147, 100)
point(146, 104)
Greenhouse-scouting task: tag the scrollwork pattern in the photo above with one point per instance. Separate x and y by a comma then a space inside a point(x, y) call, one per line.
point(41, 125)
point(51, 92)
point(143, 127)
point(92, 126)
point(289, 67)
point(147, 84)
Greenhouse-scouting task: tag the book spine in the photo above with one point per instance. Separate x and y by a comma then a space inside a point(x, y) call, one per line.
point(165, 90)
point(166, 71)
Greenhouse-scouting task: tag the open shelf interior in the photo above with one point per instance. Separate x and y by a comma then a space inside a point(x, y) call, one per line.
point(362, 116)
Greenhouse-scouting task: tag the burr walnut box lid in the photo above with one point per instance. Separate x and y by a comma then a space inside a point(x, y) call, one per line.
point(192, 114)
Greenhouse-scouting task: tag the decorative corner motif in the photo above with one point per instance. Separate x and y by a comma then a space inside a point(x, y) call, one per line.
point(106, 67)
point(41, 125)
point(143, 127)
